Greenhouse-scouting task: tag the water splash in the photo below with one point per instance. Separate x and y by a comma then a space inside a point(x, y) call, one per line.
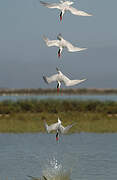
point(54, 170)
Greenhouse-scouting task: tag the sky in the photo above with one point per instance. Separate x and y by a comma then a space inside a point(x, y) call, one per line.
point(24, 57)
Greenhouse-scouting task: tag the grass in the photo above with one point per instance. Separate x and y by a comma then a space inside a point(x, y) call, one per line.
point(56, 106)
point(28, 115)
point(34, 122)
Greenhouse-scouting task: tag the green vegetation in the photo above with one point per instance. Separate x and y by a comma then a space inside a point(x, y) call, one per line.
point(34, 122)
point(28, 115)
point(57, 106)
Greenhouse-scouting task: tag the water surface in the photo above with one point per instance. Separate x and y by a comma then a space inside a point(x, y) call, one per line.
point(111, 97)
point(90, 156)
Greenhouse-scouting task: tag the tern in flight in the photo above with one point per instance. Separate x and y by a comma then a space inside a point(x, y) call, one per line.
point(58, 127)
point(60, 77)
point(64, 6)
point(62, 43)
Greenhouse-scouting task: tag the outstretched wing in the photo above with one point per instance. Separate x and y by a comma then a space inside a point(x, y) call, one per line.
point(64, 79)
point(50, 43)
point(74, 82)
point(50, 79)
point(63, 129)
point(49, 5)
point(77, 12)
point(72, 48)
point(52, 127)
point(69, 82)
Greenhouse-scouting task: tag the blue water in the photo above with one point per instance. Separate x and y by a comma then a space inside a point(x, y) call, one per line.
point(111, 97)
point(89, 156)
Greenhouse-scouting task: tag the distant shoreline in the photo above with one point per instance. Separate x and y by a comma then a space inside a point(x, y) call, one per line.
point(39, 91)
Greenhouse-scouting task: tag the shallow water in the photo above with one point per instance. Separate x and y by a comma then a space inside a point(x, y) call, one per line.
point(111, 97)
point(89, 156)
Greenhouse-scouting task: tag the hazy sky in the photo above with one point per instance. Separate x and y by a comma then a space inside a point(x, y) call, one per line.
point(24, 57)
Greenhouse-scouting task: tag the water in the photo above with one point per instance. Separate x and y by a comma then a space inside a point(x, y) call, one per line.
point(88, 156)
point(111, 97)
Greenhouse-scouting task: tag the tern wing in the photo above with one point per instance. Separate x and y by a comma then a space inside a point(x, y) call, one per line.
point(64, 130)
point(49, 5)
point(52, 127)
point(77, 12)
point(50, 43)
point(65, 79)
point(74, 82)
point(61, 129)
point(69, 82)
point(50, 79)
point(72, 48)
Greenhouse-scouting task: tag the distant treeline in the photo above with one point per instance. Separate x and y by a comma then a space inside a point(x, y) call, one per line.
point(56, 106)
point(4, 91)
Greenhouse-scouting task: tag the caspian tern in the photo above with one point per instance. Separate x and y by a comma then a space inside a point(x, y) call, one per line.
point(58, 127)
point(64, 6)
point(60, 77)
point(52, 127)
point(61, 43)
point(62, 129)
